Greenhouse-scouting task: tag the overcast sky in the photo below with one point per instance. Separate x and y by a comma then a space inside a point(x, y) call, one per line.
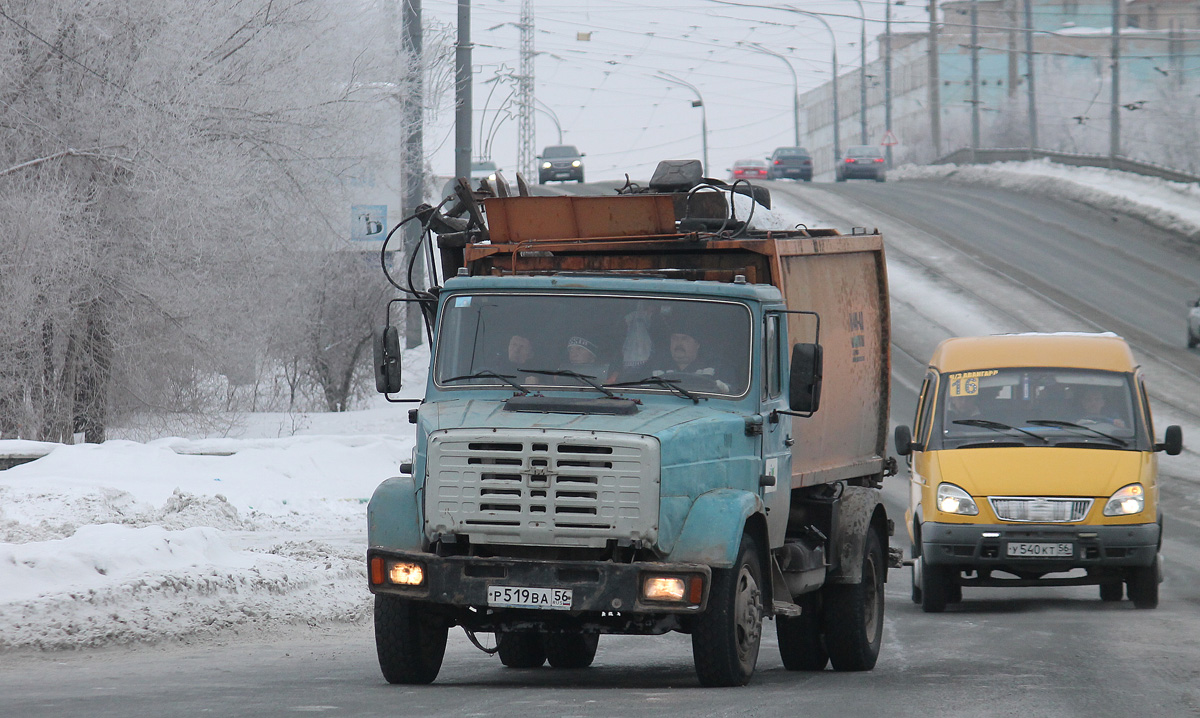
point(608, 99)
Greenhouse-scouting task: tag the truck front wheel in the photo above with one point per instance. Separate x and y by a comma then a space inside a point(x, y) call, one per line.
point(853, 613)
point(800, 643)
point(521, 649)
point(726, 637)
point(571, 650)
point(409, 639)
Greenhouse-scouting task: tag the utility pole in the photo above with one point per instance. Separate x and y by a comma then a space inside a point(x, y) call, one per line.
point(1114, 117)
point(462, 92)
point(526, 124)
point(1013, 58)
point(974, 78)
point(935, 81)
point(412, 173)
point(1030, 93)
point(887, 77)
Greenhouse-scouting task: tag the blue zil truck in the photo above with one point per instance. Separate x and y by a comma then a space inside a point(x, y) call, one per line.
point(641, 415)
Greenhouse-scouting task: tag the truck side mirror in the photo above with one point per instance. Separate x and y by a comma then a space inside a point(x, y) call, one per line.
point(1173, 443)
point(804, 384)
point(387, 360)
point(903, 440)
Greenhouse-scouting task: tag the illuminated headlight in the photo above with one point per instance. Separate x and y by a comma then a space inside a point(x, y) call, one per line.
point(546, 165)
point(953, 500)
point(1127, 501)
point(576, 163)
point(400, 573)
point(492, 177)
point(673, 589)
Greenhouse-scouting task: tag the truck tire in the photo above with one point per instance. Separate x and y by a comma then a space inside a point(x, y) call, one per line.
point(521, 649)
point(571, 650)
point(934, 587)
point(800, 643)
point(409, 640)
point(1112, 591)
point(726, 637)
point(852, 615)
point(1142, 586)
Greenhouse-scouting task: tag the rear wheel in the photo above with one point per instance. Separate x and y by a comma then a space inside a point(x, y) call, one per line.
point(934, 580)
point(409, 640)
point(726, 637)
point(852, 615)
point(800, 643)
point(521, 649)
point(571, 650)
point(1112, 591)
point(1142, 586)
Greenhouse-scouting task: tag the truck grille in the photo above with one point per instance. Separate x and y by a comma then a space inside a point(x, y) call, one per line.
point(1036, 509)
point(542, 488)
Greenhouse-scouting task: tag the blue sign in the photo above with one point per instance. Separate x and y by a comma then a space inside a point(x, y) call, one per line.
point(368, 222)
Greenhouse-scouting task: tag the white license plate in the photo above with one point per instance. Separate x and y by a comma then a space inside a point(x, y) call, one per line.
point(1020, 549)
point(557, 599)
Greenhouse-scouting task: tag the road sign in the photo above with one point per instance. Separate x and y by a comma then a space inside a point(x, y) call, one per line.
point(889, 139)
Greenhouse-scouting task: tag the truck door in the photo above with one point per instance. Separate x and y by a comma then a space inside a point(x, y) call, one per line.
point(777, 436)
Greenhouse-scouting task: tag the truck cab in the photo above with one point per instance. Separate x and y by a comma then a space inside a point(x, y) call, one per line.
point(1033, 462)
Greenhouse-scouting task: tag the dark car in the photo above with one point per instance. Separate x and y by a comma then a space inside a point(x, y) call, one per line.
point(560, 162)
point(790, 162)
point(748, 169)
point(1194, 325)
point(862, 162)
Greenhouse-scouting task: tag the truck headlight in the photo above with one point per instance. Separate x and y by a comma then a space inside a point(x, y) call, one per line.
point(1126, 501)
point(953, 500)
point(673, 589)
point(399, 573)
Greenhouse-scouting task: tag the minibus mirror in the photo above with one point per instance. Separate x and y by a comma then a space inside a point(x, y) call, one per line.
point(904, 445)
point(1173, 443)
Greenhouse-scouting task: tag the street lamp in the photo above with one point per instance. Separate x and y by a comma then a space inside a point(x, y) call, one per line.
point(698, 102)
point(545, 110)
point(862, 73)
point(795, 84)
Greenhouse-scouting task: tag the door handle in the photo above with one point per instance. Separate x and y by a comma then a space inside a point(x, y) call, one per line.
point(788, 440)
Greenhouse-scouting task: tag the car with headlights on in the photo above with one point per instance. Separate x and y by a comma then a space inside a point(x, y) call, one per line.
point(862, 162)
point(560, 163)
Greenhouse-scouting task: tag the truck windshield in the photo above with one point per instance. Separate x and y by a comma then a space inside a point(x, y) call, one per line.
point(1038, 407)
point(648, 344)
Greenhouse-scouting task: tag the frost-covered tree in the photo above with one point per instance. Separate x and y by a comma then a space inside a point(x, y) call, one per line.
point(164, 167)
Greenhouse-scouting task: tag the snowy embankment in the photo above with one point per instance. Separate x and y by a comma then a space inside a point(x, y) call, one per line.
point(129, 542)
point(1173, 206)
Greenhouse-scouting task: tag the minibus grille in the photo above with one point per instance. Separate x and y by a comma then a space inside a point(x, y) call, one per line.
point(1038, 509)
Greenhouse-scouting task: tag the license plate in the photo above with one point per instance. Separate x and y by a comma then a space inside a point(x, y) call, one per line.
point(556, 599)
point(1041, 550)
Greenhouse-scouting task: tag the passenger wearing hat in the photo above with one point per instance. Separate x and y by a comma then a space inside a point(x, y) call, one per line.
point(686, 357)
point(584, 357)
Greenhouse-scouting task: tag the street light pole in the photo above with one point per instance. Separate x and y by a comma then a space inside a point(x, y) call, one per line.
point(698, 102)
point(795, 86)
point(887, 76)
point(862, 74)
point(545, 109)
point(837, 138)
point(462, 92)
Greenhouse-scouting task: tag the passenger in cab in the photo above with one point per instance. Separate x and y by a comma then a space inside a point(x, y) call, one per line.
point(687, 358)
point(1094, 409)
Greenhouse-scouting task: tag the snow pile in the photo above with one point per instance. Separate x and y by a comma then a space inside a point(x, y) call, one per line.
point(1173, 206)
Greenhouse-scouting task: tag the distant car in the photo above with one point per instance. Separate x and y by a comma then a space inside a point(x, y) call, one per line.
point(1194, 325)
point(560, 162)
point(748, 169)
point(483, 169)
point(862, 162)
point(790, 162)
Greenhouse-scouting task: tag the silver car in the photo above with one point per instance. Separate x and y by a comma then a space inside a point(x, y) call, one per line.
point(1194, 325)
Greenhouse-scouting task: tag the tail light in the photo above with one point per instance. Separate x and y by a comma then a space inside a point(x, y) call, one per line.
point(849, 160)
point(879, 159)
point(777, 161)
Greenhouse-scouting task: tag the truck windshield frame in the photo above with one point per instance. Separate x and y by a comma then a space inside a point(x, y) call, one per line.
point(1039, 406)
point(701, 345)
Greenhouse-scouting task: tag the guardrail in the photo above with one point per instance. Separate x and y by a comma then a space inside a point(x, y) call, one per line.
point(987, 156)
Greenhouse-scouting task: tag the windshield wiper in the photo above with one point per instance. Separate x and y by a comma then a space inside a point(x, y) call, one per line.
point(997, 426)
point(488, 374)
point(585, 378)
point(1073, 425)
point(672, 384)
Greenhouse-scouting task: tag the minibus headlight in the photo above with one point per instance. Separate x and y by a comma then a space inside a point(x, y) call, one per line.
point(1126, 501)
point(953, 500)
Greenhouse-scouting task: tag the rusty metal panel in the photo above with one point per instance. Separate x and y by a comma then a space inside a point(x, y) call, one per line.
point(844, 279)
point(522, 219)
